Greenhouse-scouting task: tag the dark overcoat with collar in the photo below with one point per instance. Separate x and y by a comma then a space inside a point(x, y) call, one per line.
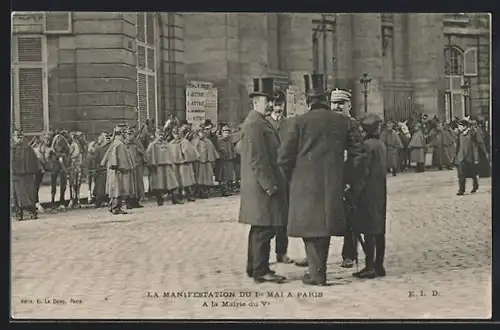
point(259, 173)
point(312, 157)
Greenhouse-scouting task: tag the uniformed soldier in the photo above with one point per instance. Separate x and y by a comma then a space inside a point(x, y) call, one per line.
point(340, 101)
point(314, 167)
point(263, 203)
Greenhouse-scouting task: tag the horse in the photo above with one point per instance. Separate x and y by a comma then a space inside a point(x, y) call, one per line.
point(405, 137)
point(62, 148)
point(146, 133)
point(77, 156)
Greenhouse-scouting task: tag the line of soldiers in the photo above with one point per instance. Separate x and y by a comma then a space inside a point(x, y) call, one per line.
point(181, 163)
point(323, 176)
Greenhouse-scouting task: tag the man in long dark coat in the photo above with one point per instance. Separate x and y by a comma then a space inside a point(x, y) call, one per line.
point(263, 188)
point(312, 157)
point(467, 159)
point(370, 199)
point(280, 123)
point(120, 172)
point(24, 166)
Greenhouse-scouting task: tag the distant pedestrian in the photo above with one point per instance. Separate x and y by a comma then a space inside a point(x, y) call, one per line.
point(467, 159)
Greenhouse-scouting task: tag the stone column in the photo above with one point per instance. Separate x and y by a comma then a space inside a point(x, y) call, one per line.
point(296, 46)
point(213, 54)
point(343, 52)
point(426, 52)
point(106, 74)
point(400, 47)
point(367, 58)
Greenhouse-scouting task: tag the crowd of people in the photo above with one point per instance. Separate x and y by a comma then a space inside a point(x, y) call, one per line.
point(424, 143)
point(318, 175)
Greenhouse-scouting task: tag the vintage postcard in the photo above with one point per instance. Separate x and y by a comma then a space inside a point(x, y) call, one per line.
point(174, 165)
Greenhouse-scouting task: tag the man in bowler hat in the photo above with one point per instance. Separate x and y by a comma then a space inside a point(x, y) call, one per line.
point(263, 203)
point(312, 158)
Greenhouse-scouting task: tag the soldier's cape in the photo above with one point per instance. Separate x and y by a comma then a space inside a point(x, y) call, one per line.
point(117, 155)
point(158, 153)
point(206, 150)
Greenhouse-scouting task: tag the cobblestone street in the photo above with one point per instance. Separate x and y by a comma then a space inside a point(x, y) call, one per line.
point(89, 264)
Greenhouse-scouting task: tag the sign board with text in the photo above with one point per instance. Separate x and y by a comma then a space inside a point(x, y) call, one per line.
point(201, 102)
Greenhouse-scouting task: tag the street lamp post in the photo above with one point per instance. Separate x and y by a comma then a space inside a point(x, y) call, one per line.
point(365, 81)
point(466, 92)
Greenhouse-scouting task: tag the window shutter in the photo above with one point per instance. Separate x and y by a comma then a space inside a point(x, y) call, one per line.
point(13, 89)
point(57, 22)
point(151, 59)
point(151, 97)
point(150, 29)
point(470, 62)
point(456, 83)
point(142, 106)
point(29, 49)
point(31, 99)
point(141, 57)
point(141, 32)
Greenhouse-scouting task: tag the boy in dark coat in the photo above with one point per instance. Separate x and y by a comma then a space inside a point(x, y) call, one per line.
point(370, 199)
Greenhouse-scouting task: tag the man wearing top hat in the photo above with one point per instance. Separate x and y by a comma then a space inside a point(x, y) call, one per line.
point(312, 158)
point(263, 203)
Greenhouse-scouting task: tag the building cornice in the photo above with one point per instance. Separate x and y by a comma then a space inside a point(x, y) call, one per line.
point(466, 31)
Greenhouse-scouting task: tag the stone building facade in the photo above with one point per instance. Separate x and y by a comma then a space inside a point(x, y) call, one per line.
point(90, 70)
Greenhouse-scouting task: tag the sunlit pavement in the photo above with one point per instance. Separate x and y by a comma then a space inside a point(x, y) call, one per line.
point(90, 264)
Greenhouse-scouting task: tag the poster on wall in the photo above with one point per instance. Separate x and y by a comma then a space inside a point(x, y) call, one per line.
point(201, 102)
point(295, 102)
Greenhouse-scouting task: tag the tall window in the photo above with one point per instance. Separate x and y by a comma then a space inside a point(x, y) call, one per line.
point(454, 98)
point(146, 67)
point(29, 105)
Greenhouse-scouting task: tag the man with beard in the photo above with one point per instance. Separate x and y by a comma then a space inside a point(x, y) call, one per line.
point(119, 171)
point(263, 203)
point(312, 158)
point(24, 166)
point(280, 123)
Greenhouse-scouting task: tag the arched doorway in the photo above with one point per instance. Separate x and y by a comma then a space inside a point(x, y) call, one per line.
point(455, 101)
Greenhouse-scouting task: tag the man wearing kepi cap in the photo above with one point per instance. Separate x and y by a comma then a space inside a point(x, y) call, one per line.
point(340, 101)
point(312, 159)
point(263, 203)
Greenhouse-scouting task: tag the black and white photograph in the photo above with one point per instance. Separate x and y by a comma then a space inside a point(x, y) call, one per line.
point(250, 165)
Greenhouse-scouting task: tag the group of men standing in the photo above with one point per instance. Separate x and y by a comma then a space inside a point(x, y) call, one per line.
point(307, 180)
